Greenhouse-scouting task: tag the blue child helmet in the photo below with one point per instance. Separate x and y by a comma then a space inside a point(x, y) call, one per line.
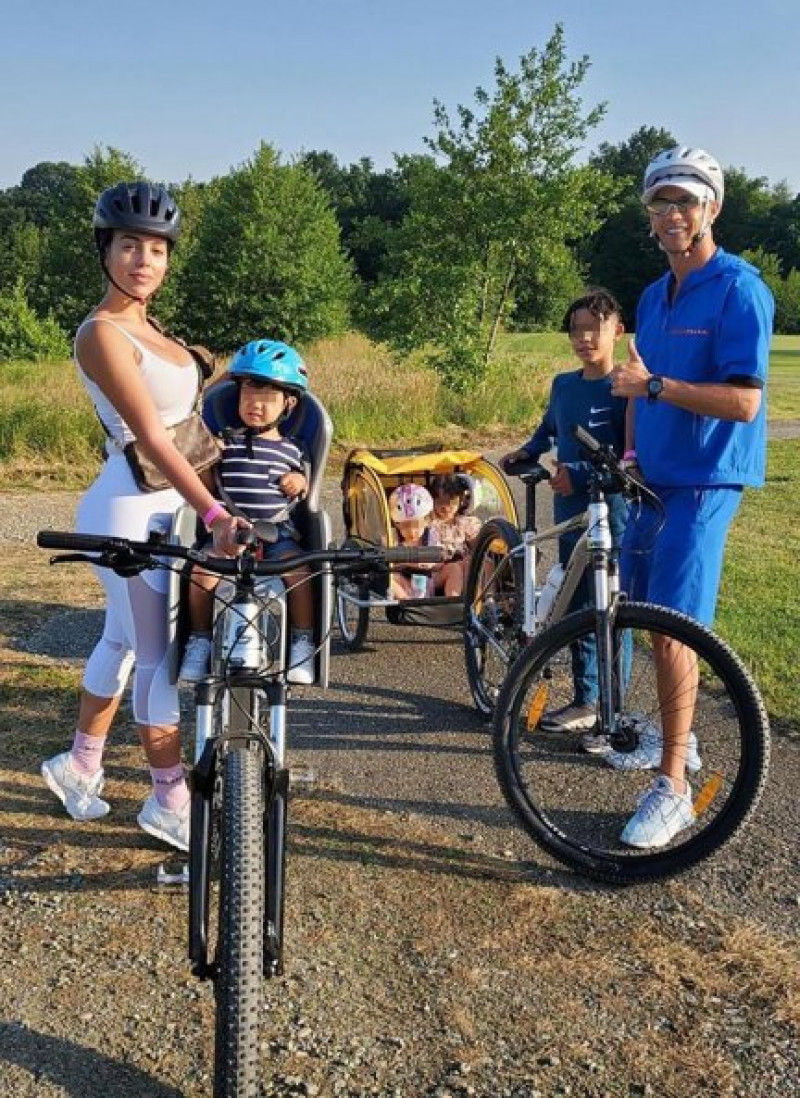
point(269, 360)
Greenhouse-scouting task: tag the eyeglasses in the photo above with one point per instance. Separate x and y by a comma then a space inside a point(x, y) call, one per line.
point(661, 206)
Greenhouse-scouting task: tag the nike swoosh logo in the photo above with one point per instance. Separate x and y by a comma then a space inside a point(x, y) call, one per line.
point(600, 423)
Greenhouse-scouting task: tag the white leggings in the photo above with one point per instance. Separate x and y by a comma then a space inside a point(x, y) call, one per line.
point(135, 630)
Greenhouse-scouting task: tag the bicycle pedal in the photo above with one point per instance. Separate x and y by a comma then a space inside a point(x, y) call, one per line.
point(166, 876)
point(302, 777)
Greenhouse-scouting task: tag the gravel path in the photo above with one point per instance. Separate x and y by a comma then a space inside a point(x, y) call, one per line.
point(433, 951)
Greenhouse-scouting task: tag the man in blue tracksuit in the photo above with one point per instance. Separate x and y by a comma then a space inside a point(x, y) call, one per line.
point(697, 422)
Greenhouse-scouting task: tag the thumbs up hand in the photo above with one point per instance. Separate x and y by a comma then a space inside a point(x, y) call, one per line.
point(629, 378)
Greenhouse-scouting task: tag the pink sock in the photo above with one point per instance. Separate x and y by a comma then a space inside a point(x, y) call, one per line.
point(87, 753)
point(169, 786)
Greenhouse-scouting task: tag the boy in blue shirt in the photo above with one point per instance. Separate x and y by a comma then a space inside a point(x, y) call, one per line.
point(698, 423)
point(594, 324)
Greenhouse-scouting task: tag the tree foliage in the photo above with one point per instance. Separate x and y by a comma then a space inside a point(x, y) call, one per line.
point(24, 336)
point(500, 193)
point(265, 259)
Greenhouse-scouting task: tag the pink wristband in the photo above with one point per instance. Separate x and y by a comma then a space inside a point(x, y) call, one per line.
point(214, 511)
point(629, 455)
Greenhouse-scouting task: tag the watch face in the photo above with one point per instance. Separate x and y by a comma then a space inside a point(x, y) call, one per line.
point(654, 387)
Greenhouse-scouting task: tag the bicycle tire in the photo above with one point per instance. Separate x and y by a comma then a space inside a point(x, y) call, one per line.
point(353, 621)
point(493, 606)
point(240, 951)
point(574, 805)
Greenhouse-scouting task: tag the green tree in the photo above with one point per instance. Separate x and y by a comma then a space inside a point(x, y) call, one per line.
point(367, 204)
point(500, 193)
point(24, 336)
point(265, 259)
point(785, 290)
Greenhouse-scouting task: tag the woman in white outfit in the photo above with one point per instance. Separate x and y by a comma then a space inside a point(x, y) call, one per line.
point(141, 382)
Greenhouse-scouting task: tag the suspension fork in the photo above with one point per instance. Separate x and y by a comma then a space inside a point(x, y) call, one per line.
point(276, 794)
point(605, 587)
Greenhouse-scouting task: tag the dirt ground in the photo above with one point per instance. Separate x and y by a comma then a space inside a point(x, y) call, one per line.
point(431, 949)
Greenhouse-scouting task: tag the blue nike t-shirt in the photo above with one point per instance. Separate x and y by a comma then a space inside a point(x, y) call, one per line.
point(717, 328)
point(578, 401)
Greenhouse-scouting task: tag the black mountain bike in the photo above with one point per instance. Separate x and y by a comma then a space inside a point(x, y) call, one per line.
point(240, 777)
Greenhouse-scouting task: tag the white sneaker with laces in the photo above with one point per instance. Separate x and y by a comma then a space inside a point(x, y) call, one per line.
point(301, 660)
point(647, 756)
point(661, 813)
point(79, 794)
point(196, 658)
point(171, 827)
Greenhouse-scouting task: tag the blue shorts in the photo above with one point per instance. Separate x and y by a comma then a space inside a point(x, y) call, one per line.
point(679, 564)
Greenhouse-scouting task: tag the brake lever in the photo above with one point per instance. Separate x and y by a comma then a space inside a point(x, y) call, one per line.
point(122, 561)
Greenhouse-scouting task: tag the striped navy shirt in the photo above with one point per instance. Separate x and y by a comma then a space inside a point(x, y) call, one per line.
point(252, 482)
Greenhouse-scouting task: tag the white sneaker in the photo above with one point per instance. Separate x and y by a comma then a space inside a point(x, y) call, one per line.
point(647, 755)
point(301, 660)
point(79, 794)
point(660, 815)
point(170, 827)
point(196, 658)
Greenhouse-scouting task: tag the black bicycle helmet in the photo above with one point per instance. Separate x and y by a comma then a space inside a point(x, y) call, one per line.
point(139, 207)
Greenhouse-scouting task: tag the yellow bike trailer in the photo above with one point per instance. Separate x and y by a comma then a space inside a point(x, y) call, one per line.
point(369, 478)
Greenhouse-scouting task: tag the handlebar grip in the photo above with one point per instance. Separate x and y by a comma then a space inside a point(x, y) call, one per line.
point(589, 442)
point(58, 539)
point(402, 554)
point(531, 470)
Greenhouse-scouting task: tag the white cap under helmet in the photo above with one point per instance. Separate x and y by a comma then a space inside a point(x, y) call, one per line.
point(693, 170)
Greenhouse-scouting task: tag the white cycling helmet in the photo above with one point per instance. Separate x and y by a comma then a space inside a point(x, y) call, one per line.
point(692, 170)
point(409, 502)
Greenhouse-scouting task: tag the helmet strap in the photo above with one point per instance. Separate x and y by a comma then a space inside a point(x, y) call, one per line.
point(113, 281)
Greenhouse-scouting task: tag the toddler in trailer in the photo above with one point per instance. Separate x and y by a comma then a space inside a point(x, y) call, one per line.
point(454, 529)
point(411, 508)
point(260, 472)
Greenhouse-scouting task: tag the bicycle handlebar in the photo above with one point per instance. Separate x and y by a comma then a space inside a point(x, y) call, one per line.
point(117, 552)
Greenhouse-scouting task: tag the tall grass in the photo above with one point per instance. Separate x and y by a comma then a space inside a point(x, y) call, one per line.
point(49, 433)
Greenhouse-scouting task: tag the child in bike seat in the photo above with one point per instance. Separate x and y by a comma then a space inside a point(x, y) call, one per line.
point(411, 508)
point(454, 529)
point(583, 396)
point(260, 473)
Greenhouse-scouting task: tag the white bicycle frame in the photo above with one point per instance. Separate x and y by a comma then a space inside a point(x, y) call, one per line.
point(596, 537)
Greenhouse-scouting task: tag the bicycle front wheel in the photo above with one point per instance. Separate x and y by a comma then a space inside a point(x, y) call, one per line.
point(241, 922)
point(493, 605)
point(575, 804)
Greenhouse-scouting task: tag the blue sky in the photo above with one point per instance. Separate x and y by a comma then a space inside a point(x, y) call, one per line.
point(191, 87)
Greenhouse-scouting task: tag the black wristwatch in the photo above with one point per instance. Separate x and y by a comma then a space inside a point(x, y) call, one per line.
point(655, 387)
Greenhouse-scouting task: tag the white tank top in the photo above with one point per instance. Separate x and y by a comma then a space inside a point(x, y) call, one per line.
point(173, 388)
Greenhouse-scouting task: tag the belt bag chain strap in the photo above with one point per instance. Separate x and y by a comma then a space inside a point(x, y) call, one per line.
point(190, 437)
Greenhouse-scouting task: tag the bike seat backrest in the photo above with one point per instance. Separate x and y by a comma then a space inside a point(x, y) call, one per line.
point(309, 423)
